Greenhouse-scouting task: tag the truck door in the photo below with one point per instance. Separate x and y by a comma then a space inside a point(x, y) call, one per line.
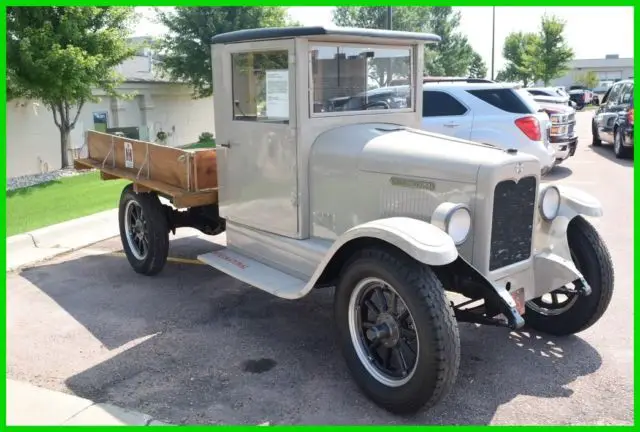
point(256, 136)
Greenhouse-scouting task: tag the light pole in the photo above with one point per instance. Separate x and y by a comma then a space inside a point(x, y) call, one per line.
point(493, 42)
point(389, 18)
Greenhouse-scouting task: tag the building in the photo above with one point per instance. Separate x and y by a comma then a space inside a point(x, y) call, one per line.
point(611, 68)
point(158, 104)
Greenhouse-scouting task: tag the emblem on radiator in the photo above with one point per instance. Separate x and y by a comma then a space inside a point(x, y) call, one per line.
point(519, 168)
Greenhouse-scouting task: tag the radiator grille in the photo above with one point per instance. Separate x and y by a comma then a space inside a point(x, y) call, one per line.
point(512, 227)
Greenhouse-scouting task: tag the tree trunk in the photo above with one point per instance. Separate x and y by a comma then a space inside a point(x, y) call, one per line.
point(65, 141)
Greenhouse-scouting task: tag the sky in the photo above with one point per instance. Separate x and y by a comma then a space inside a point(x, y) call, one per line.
point(586, 27)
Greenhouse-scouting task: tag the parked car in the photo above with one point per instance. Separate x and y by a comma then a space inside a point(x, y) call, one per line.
point(563, 136)
point(549, 95)
point(613, 121)
point(487, 112)
point(582, 97)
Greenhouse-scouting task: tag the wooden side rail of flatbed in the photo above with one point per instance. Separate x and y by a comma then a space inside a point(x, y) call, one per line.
point(188, 178)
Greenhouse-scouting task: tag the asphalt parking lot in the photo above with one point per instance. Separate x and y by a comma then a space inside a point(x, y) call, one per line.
point(197, 347)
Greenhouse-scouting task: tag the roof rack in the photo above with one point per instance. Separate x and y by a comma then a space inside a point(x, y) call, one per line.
point(429, 79)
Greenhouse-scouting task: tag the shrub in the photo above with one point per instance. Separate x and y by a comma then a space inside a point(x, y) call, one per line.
point(205, 137)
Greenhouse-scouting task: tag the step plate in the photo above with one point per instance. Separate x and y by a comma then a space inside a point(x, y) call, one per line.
point(252, 272)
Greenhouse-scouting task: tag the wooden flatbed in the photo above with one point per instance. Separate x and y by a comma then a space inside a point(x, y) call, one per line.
point(188, 178)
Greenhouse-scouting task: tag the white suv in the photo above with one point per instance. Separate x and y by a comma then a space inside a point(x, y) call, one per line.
point(488, 112)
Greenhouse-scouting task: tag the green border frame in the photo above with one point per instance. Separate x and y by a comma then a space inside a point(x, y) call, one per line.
point(583, 3)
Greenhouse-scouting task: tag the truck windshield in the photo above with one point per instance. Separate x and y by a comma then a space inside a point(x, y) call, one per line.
point(357, 78)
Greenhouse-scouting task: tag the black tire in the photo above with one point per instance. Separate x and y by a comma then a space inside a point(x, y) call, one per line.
point(438, 349)
point(592, 258)
point(156, 232)
point(594, 133)
point(619, 150)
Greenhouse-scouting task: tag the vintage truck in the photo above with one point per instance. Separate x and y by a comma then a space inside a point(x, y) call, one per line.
point(396, 220)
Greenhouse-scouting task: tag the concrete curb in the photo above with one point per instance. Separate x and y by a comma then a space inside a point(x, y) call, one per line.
point(28, 405)
point(48, 242)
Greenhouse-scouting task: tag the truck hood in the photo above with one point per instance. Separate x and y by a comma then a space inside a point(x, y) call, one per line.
point(409, 152)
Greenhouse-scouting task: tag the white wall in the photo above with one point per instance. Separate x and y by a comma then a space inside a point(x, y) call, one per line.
point(182, 117)
point(33, 140)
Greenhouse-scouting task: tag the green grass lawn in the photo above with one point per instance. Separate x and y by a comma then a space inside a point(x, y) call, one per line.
point(197, 145)
point(59, 201)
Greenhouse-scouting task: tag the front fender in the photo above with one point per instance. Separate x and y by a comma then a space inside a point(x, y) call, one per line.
point(420, 240)
point(551, 237)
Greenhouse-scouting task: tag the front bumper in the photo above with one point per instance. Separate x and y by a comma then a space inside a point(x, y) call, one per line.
point(565, 148)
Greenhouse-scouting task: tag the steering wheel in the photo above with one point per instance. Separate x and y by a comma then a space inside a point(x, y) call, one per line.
point(377, 105)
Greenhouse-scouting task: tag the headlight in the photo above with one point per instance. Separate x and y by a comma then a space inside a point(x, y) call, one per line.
point(550, 203)
point(454, 219)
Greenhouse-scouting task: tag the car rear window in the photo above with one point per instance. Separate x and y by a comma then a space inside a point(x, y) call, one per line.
point(437, 104)
point(504, 99)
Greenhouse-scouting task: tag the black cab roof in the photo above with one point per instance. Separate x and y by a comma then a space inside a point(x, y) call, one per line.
point(292, 32)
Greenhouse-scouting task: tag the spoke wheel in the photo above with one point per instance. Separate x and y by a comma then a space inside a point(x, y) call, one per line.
point(557, 301)
point(576, 313)
point(144, 231)
point(396, 330)
point(136, 230)
point(383, 332)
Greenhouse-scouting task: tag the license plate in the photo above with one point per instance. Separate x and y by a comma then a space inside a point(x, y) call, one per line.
point(518, 297)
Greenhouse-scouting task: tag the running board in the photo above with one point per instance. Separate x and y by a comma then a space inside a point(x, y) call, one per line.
point(254, 273)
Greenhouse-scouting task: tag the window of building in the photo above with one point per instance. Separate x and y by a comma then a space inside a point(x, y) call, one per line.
point(438, 103)
point(261, 85)
point(352, 78)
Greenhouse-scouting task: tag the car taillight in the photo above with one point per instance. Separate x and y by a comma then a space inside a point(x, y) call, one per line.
point(530, 126)
point(630, 116)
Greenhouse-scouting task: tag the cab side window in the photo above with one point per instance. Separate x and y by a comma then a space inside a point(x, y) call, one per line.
point(614, 94)
point(437, 103)
point(627, 92)
point(260, 83)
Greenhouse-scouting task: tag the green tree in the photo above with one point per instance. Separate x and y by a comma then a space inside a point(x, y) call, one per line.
point(588, 79)
point(404, 19)
point(519, 52)
point(58, 55)
point(552, 53)
point(453, 55)
point(477, 69)
point(185, 48)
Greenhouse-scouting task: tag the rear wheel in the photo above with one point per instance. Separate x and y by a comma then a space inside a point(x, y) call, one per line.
point(619, 149)
point(594, 133)
point(144, 231)
point(396, 330)
point(563, 313)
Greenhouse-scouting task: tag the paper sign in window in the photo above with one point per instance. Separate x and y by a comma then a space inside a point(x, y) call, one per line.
point(277, 93)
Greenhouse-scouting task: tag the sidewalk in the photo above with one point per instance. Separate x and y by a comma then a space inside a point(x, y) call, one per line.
point(48, 242)
point(28, 405)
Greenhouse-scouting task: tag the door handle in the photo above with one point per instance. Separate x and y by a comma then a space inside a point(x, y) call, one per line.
point(226, 145)
point(451, 124)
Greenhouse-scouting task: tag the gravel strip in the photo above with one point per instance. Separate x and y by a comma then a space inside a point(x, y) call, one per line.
point(34, 179)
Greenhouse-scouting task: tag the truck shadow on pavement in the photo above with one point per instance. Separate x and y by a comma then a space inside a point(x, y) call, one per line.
point(220, 352)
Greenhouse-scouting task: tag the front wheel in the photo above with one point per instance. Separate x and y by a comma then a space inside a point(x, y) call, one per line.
point(396, 330)
point(595, 135)
point(561, 313)
point(144, 231)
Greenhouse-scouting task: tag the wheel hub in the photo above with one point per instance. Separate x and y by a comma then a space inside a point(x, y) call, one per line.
point(386, 330)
